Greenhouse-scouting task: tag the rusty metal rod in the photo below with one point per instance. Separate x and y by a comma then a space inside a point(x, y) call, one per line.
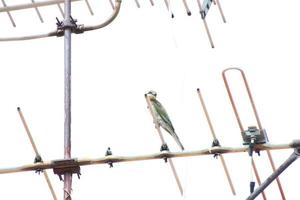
point(215, 138)
point(36, 151)
point(239, 122)
point(255, 114)
point(161, 155)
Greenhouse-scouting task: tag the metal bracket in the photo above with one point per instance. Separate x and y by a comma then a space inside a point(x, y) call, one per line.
point(260, 136)
point(164, 147)
point(68, 24)
point(38, 159)
point(253, 136)
point(109, 153)
point(66, 166)
point(216, 143)
point(206, 6)
point(297, 152)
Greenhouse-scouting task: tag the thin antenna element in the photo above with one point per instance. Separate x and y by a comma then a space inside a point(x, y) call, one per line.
point(9, 15)
point(33, 5)
point(60, 10)
point(157, 126)
point(38, 12)
point(215, 139)
point(89, 7)
point(220, 10)
point(112, 4)
point(37, 154)
point(151, 2)
point(137, 3)
point(168, 6)
point(188, 11)
point(256, 116)
point(205, 24)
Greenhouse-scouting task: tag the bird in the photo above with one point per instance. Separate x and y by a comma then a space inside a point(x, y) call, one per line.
point(162, 117)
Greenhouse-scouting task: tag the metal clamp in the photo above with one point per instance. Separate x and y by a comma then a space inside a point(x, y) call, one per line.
point(216, 143)
point(253, 136)
point(297, 151)
point(109, 153)
point(38, 159)
point(68, 24)
point(64, 166)
point(164, 147)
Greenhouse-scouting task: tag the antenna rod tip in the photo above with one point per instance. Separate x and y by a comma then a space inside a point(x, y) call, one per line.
point(189, 13)
point(18, 108)
point(198, 89)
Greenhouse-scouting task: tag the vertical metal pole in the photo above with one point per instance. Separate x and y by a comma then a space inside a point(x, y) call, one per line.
point(67, 98)
point(275, 174)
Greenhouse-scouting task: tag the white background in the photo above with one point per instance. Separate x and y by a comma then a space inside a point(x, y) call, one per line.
point(112, 68)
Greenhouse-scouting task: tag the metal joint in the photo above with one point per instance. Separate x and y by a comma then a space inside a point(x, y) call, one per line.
point(68, 24)
point(109, 153)
point(254, 134)
point(164, 147)
point(216, 143)
point(297, 151)
point(38, 159)
point(66, 166)
point(203, 14)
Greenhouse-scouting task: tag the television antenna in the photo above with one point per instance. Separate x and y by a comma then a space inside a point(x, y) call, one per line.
point(254, 138)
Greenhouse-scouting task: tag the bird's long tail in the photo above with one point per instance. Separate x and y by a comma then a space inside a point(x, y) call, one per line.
point(178, 141)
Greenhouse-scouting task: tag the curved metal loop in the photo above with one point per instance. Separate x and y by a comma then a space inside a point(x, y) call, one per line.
point(257, 120)
point(249, 96)
point(56, 33)
point(237, 114)
point(115, 13)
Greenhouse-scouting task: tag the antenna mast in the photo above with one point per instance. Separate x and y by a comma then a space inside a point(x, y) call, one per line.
point(67, 97)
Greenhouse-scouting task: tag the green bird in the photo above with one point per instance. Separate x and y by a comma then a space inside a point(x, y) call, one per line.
point(162, 117)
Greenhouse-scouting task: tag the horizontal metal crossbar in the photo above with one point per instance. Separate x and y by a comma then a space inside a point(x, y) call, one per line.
point(32, 5)
point(161, 155)
point(57, 33)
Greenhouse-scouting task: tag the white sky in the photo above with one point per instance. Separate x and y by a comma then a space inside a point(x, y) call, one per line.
point(113, 67)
